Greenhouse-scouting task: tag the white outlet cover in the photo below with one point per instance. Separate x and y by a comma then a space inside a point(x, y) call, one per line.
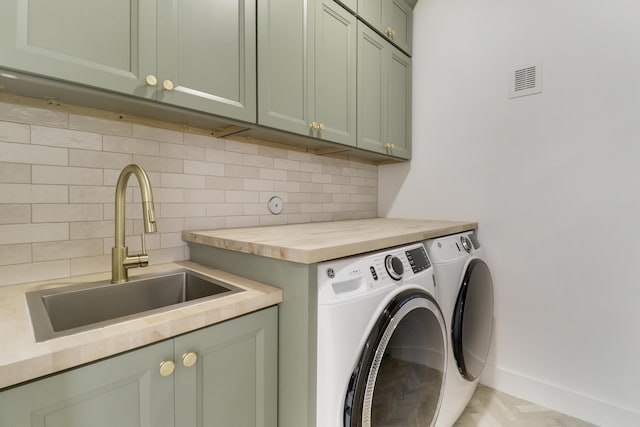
point(276, 205)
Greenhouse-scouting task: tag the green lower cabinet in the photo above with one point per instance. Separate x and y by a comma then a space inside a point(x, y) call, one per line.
point(384, 96)
point(232, 382)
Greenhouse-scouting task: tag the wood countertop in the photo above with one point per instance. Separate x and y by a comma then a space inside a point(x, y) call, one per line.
point(23, 359)
point(310, 243)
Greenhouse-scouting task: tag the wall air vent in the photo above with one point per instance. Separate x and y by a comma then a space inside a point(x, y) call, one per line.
point(526, 80)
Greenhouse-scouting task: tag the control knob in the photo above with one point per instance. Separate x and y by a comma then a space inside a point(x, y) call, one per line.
point(394, 267)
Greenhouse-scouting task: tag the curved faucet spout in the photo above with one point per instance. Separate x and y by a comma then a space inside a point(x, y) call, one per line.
point(120, 258)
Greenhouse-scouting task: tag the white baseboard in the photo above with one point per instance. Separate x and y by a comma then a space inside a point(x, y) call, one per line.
point(587, 408)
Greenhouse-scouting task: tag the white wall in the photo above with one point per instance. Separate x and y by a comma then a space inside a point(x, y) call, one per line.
point(553, 179)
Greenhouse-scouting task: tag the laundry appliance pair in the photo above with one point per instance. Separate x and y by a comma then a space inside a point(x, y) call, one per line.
point(403, 334)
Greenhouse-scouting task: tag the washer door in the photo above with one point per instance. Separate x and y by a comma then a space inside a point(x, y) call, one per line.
point(473, 320)
point(399, 378)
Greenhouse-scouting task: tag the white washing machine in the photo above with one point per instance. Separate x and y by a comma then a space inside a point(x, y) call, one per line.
point(382, 344)
point(465, 294)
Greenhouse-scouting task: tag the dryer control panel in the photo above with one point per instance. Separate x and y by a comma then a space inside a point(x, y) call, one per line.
point(343, 278)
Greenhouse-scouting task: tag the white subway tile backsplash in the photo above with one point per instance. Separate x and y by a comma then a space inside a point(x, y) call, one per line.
point(33, 272)
point(273, 174)
point(58, 173)
point(15, 254)
point(258, 161)
point(100, 125)
point(203, 141)
point(15, 173)
point(181, 151)
point(66, 249)
point(91, 229)
point(159, 164)
point(38, 116)
point(27, 193)
point(66, 138)
point(31, 233)
point(14, 132)
point(91, 194)
point(15, 213)
point(157, 134)
point(120, 144)
point(223, 209)
point(98, 159)
point(221, 156)
point(66, 212)
point(203, 168)
point(292, 165)
point(173, 180)
point(33, 154)
point(242, 171)
point(203, 196)
point(65, 175)
point(241, 196)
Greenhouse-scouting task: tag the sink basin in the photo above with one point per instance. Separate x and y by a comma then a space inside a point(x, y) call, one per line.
point(70, 309)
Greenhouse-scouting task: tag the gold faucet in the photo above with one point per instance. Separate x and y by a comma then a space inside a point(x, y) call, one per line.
point(120, 259)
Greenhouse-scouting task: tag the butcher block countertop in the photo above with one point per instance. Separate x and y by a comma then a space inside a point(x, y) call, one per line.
point(23, 359)
point(310, 243)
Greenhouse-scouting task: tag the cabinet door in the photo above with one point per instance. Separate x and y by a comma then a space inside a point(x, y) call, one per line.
point(372, 90)
point(234, 381)
point(391, 18)
point(398, 17)
point(283, 65)
point(207, 50)
point(399, 104)
point(104, 44)
point(384, 96)
point(123, 391)
point(334, 79)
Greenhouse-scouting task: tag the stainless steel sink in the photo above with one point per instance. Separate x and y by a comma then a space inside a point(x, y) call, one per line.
point(70, 309)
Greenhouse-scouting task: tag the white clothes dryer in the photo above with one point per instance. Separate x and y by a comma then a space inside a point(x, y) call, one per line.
point(382, 344)
point(465, 294)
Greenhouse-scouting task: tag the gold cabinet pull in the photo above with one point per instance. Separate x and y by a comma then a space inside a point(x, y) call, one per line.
point(167, 85)
point(321, 126)
point(151, 80)
point(167, 367)
point(390, 32)
point(189, 359)
point(314, 126)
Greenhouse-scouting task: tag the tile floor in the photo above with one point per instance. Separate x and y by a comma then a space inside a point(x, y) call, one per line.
point(492, 408)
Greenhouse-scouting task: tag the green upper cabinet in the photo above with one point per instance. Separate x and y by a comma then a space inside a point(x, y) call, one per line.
point(194, 54)
point(110, 45)
point(384, 96)
point(391, 18)
point(207, 56)
point(307, 68)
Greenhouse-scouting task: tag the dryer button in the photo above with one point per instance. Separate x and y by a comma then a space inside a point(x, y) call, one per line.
point(373, 273)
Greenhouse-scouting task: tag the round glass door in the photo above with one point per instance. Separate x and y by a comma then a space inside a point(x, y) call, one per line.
point(473, 320)
point(398, 380)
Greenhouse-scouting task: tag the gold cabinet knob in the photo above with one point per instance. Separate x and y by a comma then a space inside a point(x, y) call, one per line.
point(167, 367)
point(390, 32)
point(151, 80)
point(167, 85)
point(189, 359)
point(392, 146)
point(321, 126)
point(314, 125)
